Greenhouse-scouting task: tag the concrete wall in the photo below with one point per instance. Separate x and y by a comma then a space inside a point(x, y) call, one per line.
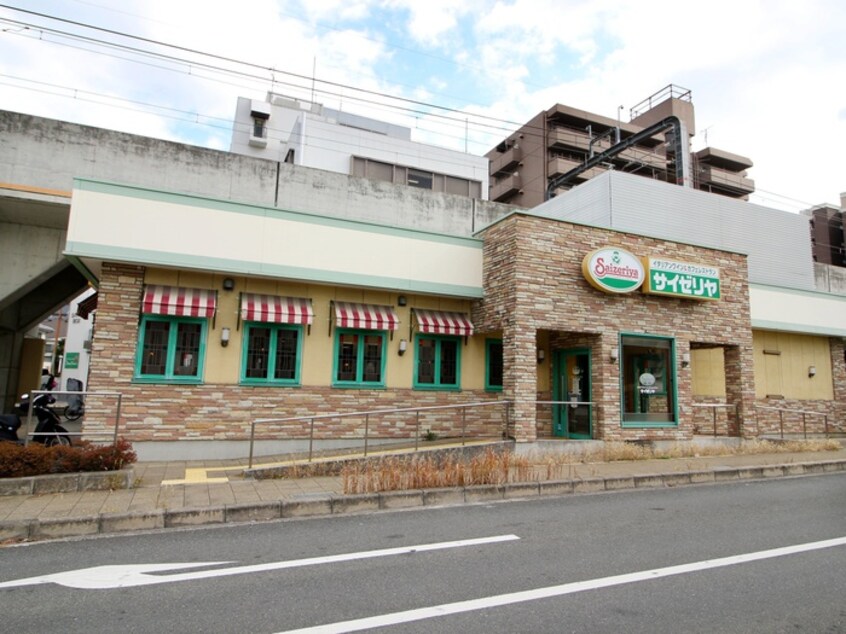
point(49, 154)
point(830, 279)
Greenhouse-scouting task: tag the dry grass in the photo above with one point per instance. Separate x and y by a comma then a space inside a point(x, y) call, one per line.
point(424, 471)
point(427, 471)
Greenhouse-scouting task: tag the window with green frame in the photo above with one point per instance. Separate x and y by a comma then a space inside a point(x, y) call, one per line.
point(648, 380)
point(359, 358)
point(171, 349)
point(437, 363)
point(272, 353)
point(493, 365)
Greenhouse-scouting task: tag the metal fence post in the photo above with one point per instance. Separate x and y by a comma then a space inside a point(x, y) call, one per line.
point(417, 432)
point(366, 431)
point(714, 419)
point(311, 439)
point(463, 423)
point(252, 440)
point(781, 422)
point(117, 417)
point(804, 427)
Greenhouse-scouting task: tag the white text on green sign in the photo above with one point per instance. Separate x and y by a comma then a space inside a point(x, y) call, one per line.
point(681, 279)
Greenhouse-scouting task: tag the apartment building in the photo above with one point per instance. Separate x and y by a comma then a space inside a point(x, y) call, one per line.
point(564, 146)
point(309, 134)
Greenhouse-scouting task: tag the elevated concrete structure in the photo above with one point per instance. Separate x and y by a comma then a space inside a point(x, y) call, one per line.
point(41, 157)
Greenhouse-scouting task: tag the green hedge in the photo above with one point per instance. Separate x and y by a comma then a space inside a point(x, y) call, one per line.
point(17, 461)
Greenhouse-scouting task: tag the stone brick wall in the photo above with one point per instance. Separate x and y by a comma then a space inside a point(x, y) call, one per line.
point(534, 283)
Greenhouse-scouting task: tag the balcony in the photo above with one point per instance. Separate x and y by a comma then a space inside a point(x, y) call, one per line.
point(642, 157)
point(506, 187)
point(565, 138)
point(508, 161)
point(559, 166)
point(732, 182)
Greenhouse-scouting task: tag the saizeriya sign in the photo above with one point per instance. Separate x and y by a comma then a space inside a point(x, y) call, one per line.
point(615, 270)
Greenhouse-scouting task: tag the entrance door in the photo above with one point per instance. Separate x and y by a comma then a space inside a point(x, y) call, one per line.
point(572, 383)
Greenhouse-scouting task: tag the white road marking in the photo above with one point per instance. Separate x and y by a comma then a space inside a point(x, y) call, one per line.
point(557, 591)
point(126, 576)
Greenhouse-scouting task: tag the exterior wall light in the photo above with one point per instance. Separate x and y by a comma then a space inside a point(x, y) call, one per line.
point(228, 283)
point(403, 346)
point(812, 371)
point(224, 337)
point(685, 359)
point(541, 355)
point(615, 354)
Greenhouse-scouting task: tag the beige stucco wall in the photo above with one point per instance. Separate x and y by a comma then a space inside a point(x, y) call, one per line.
point(223, 364)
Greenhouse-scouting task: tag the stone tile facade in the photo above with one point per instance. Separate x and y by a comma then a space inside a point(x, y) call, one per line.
point(534, 286)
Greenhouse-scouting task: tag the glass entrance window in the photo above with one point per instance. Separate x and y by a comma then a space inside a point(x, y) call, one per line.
point(648, 381)
point(572, 419)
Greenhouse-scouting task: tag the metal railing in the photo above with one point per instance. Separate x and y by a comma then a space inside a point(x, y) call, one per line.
point(29, 416)
point(506, 427)
point(378, 412)
point(782, 410)
point(714, 407)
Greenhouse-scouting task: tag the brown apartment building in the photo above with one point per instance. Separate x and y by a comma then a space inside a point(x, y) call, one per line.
point(530, 166)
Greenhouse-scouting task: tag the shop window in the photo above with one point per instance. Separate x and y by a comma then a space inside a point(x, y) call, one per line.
point(272, 354)
point(648, 381)
point(437, 363)
point(171, 349)
point(493, 365)
point(359, 359)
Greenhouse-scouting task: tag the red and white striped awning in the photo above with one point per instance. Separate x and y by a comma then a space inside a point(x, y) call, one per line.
point(276, 310)
point(179, 302)
point(443, 323)
point(365, 316)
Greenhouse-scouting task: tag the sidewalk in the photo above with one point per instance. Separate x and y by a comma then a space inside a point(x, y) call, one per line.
point(175, 494)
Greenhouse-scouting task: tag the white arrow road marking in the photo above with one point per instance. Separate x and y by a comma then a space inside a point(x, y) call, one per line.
point(557, 591)
point(104, 577)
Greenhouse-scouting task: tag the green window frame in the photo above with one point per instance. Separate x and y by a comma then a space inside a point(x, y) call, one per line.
point(271, 354)
point(359, 358)
point(648, 381)
point(437, 362)
point(170, 349)
point(494, 366)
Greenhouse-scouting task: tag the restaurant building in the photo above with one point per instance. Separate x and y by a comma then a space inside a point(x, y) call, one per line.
point(624, 309)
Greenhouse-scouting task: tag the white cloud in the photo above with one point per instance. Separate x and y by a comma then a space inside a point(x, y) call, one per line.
point(765, 75)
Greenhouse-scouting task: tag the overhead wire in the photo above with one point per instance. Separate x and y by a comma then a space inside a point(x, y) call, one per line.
point(482, 124)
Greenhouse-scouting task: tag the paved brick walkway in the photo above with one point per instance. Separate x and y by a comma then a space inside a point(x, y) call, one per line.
point(168, 494)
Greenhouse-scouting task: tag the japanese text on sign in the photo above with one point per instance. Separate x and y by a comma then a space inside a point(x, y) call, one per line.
point(682, 279)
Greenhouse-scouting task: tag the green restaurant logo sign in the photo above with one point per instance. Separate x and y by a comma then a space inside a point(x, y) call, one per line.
point(681, 279)
point(613, 270)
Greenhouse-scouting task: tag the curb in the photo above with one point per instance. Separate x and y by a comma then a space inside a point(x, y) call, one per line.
point(116, 523)
point(68, 482)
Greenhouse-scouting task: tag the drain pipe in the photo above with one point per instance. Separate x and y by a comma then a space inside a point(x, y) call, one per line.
point(677, 147)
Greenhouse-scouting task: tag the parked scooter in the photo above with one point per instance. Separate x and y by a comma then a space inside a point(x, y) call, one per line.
point(48, 430)
point(9, 425)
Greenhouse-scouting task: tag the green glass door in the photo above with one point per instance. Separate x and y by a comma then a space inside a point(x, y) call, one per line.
point(572, 384)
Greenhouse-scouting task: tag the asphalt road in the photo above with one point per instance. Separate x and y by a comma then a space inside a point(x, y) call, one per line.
point(281, 576)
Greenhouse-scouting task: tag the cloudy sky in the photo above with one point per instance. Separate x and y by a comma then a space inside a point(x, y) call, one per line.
point(768, 77)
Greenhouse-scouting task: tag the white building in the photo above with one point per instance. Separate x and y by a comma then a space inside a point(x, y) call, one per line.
point(311, 135)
